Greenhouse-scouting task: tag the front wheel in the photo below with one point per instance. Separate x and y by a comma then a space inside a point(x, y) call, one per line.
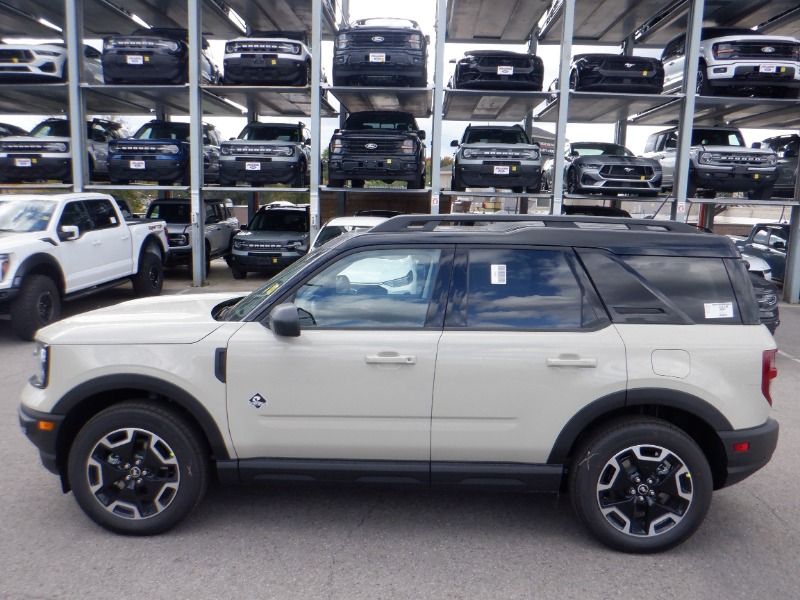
point(299, 180)
point(237, 272)
point(640, 485)
point(149, 280)
point(763, 192)
point(137, 468)
point(572, 182)
point(38, 304)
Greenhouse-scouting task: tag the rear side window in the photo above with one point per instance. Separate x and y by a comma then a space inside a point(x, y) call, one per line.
point(512, 288)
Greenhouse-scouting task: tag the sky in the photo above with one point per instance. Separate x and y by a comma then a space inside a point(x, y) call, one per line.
point(423, 11)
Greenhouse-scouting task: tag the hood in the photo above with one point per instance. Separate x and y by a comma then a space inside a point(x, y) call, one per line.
point(11, 240)
point(182, 319)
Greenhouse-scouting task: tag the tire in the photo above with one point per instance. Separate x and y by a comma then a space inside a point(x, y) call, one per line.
point(207, 262)
point(572, 182)
point(456, 185)
point(38, 304)
point(702, 87)
point(356, 183)
point(149, 280)
point(116, 181)
point(335, 183)
point(543, 187)
point(763, 192)
point(299, 180)
point(340, 81)
point(238, 273)
point(629, 455)
point(225, 181)
point(126, 498)
point(419, 184)
point(691, 190)
point(305, 79)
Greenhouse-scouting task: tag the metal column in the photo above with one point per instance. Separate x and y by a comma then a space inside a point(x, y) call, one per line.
point(316, 123)
point(438, 105)
point(341, 197)
point(686, 122)
point(73, 36)
point(524, 201)
point(567, 26)
point(621, 127)
point(196, 147)
point(791, 283)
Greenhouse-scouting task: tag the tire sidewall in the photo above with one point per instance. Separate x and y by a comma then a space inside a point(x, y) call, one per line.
point(191, 467)
point(25, 319)
point(143, 284)
point(586, 473)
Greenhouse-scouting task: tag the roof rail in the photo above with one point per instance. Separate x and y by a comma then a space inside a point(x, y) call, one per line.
point(408, 223)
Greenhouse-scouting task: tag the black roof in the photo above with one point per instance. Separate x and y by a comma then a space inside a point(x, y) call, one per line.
point(617, 235)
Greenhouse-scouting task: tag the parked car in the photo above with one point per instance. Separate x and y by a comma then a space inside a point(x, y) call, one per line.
point(767, 295)
point(267, 153)
point(386, 145)
point(46, 154)
point(268, 58)
point(371, 360)
point(786, 147)
point(219, 224)
point(616, 73)
point(342, 225)
point(380, 51)
point(498, 70)
point(275, 237)
point(159, 55)
point(7, 130)
point(735, 61)
point(720, 161)
point(594, 211)
point(496, 156)
point(54, 248)
point(45, 63)
point(159, 151)
point(604, 168)
point(769, 242)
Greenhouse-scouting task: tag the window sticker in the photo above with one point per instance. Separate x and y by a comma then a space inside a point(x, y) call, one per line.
point(718, 310)
point(498, 275)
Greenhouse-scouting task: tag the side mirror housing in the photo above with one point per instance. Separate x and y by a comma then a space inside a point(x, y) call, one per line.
point(67, 233)
point(421, 134)
point(284, 321)
point(308, 141)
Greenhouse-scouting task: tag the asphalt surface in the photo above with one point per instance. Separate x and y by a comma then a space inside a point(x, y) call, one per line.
point(280, 542)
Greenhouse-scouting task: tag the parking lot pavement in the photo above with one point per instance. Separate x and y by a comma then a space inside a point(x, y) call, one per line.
point(274, 542)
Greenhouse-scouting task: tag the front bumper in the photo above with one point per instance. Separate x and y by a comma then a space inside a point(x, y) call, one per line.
point(604, 180)
point(263, 261)
point(270, 170)
point(486, 77)
point(155, 68)
point(265, 69)
point(762, 439)
point(45, 440)
point(42, 166)
point(481, 174)
point(160, 169)
point(747, 73)
point(395, 168)
point(400, 65)
point(738, 178)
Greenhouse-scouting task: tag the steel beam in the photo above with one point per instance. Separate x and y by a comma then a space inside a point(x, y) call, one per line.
point(438, 105)
point(73, 36)
point(316, 122)
point(196, 147)
point(791, 282)
point(567, 24)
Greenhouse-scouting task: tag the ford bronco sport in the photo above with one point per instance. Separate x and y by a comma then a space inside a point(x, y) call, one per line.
point(621, 360)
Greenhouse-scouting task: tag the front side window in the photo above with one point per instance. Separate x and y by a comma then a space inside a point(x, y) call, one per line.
point(75, 214)
point(526, 289)
point(373, 289)
point(170, 212)
point(102, 213)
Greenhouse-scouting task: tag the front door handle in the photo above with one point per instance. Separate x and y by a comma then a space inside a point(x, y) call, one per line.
point(572, 360)
point(390, 358)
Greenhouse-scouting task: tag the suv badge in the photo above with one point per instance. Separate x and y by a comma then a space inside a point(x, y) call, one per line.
point(258, 401)
point(768, 49)
point(371, 146)
point(629, 65)
point(377, 38)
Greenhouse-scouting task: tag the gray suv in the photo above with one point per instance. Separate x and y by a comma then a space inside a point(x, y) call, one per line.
point(275, 237)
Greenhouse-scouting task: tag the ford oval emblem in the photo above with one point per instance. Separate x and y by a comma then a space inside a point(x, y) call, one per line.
point(371, 146)
point(377, 38)
point(768, 49)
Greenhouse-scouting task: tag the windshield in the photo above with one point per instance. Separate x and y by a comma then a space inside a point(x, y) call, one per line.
point(389, 121)
point(246, 305)
point(495, 136)
point(280, 220)
point(22, 216)
point(170, 212)
point(716, 137)
point(163, 131)
point(51, 129)
point(269, 133)
point(601, 149)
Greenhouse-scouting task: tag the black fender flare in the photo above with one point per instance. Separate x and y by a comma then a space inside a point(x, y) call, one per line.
point(592, 412)
point(34, 261)
point(152, 239)
point(149, 385)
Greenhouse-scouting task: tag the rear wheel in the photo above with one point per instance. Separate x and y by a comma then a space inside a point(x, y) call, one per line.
point(137, 468)
point(38, 304)
point(640, 485)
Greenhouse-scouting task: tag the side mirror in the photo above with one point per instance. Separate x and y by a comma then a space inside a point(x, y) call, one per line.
point(421, 134)
point(453, 61)
point(308, 141)
point(756, 145)
point(68, 233)
point(454, 144)
point(243, 227)
point(427, 39)
point(779, 246)
point(284, 321)
point(574, 154)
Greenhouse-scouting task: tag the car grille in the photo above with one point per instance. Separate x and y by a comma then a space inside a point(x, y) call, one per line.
point(271, 47)
point(264, 150)
point(134, 43)
point(782, 50)
point(626, 171)
point(22, 147)
point(263, 246)
point(521, 62)
point(9, 55)
point(358, 146)
point(740, 159)
point(499, 154)
point(364, 39)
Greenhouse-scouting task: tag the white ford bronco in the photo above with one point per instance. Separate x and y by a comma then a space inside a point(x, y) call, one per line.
point(59, 247)
point(620, 360)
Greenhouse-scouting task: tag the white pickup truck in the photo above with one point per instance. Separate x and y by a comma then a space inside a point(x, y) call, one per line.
point(59, 247)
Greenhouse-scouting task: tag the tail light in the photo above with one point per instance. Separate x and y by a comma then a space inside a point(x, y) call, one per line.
point(768, 373)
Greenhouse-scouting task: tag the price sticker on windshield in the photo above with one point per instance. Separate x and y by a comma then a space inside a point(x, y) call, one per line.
point(505, 70)
point(137, 164)
point(501, 170)
point(134, 59)
point(252, 166)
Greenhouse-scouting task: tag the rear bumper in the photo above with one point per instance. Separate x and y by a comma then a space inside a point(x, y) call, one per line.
point(762, 439)
point(44, 440)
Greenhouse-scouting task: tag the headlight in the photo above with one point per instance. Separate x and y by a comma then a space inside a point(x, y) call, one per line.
point(705, 157)
point(772, 160)
point(336, 146)
point(467, 153)
point(343, 40)
point(408, 147)
point(109, 44)
point(415, 41)
point(48, 53)
point(179, 239)
point(592, 166)
point(41, 356)
point(55, 147)
point(768, 300)
point(529, 154)
point(226, 150)
point(169, 45)
point(288, 48)
point(294, 244)
point(231, 47)
point(284, 150)
point(171, 149)
point(5, 265)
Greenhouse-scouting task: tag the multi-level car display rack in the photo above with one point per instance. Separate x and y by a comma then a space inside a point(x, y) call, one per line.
point(613, 23)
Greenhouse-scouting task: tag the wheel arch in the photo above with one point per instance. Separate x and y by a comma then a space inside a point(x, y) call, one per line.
point(152, 240)
point(693, 415)
point(42, 264)
point(89, 398)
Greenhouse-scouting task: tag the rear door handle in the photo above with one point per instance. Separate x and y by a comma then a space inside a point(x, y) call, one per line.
point(390, 358)
point(572, 360)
